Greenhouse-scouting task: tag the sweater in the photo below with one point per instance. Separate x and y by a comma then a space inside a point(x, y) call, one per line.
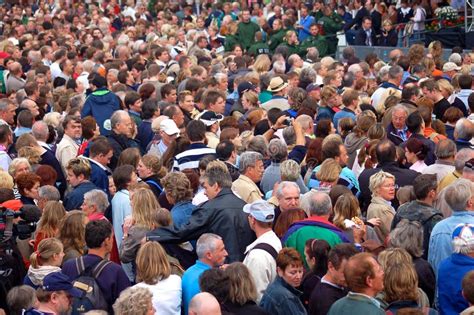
point(356, 304)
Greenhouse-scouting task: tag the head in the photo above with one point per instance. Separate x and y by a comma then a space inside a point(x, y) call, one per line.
point(47, 193)
point(210, 249)
point(78, 171)
point(134, 301)
point(242, 286)
point(290, 266)
point(152, 263)
point(215, 178)
point(28, 185)
point(204, 304)
point(121, 123)
point(72, 232)
point(72, 127)
point(382, 184)
point(399, 116)
point(101, 151)
point(99, 235)
point(316, 203)
point(95, 201)
point(337, 260)
point(345, 208)
point(460, 195)
point(50, 252)
point(124, 176)
point(363, 274)
point(316, 253)
point(21, 298)
point(288, 195)
point(408, 235)
point(251, 165)
point(177, 187)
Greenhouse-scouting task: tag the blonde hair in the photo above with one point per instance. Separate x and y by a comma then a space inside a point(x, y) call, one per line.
point(31, 153)
point(133, 301)
point(152, 263)
point(327, 92)
point(262, 64)
point(377, 180)
point(6, 181)
point(252, 97)
point(15, 163)
point(242, 286)
point(444, 85)
point(51, 218)
point(329, 171)
point(400, 283)
point(346, 207)
point(394, 256)
point(290, 170)
point(47, 248)
point(144, 206)
point(154, 163)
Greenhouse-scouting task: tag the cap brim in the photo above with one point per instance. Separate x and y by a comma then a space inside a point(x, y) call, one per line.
point(247, 208)
point(172, 132)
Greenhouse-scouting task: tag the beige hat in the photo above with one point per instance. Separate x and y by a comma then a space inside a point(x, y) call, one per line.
point(277, 84)
point(450, 66)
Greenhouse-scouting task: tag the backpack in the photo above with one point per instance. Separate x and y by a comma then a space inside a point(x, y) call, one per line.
point(12, 270)
point(266, 247)
point(92, 297)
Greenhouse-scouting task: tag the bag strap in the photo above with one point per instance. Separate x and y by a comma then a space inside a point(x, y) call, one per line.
point(80, 267)
point(268, 248)
point(151, 181)
point(100, 267)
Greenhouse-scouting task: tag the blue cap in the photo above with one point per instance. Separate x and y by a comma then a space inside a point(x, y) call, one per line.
point(261, 210)
point(58, 281)
point(463, 234)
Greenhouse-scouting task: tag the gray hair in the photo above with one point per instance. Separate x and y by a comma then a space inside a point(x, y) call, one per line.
point(279, 66)
point(316, 203)
point(277, 150)
point(40, 130)
point(308, 74)
point(117, 117)
point(220, 76)
point(459, 193)
point(15, 163)
point(88, 66)
point(21, 297)
point(289, 135)
point(383, 73)
point(249, 159)
point(354, 68)
point(464, 129)
point(377, 179)
point(409, 236)
point(445, 148)
point(4, 103)
point(98, 198)
point(462, 157)
point(217, 173)
point(312, 55)
point(206, 243)
point(290, 170)
point(394, 72)
point(283, 185)
point(49, 193)
point(399, 107)
point(258, 144)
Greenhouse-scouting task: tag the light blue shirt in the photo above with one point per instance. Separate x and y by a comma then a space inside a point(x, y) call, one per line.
point(440, 240)
point(190, 282)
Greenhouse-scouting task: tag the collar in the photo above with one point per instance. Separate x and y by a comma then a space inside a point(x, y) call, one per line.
point(287, 286)
point(202, 264)
point(362, 297)
point(462, 212)
point(324, 280)
point(95, 162)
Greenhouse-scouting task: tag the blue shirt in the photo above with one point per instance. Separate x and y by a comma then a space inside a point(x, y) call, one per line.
point(440, 240)
point(345, 112)
point(190, 282)
point(306, 22)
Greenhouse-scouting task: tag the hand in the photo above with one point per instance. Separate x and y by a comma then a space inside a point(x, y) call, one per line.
point(127, 224)
point(359, 233)
point(280, 123)
point(375, 221)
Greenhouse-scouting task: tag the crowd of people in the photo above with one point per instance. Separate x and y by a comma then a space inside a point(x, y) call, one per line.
point(167, 158)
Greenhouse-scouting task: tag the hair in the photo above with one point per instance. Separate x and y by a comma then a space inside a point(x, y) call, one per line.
point(319, 250)
point(290, 170)
point(49, 193)
point(6, 181)
point(288, 257)
point(331, 147)
point(152, 263)
point(206, 243)
point(98, 198)
point(338, 253)
point(217, 173)
point(122, 176)
point(26, 182)
point(242, 286)
point(249, 159)
point(129, 156)
point(417, 147)
point(99, 146)
point(346, 207)
point(15, 163)
point(356, 271)
point(53, 214)
point(400, 283)
point(46, 249)
point(73, 230)
point(79, 166)
point(177, 186)
point(133, 301)
point(20, 298)
point(329, 171)
point(286, 219)
point(144, 204)
point(468, 286)
point(458, 193)
point(377, 179)
point(408, 235)
point(47, 174)
point(97, 232)
point(316, 203)
point(196, 130)
point(216, 282)
point(153, 163)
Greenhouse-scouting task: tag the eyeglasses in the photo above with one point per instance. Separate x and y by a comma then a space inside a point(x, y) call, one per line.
point(390, 186)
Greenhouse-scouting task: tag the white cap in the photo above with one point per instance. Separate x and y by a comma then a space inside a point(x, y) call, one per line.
point(169, 127)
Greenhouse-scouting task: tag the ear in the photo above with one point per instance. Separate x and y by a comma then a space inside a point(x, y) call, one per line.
point(369, 281)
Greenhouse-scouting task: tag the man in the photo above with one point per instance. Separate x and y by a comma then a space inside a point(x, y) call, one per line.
point(189, 158)
point(168, 96)
point(221, 215)
point(261, 254)
point(14, 81)
point(100, 152)
point(410, 94)
point(24, 122)
point(226, 152)
point(134, 103)
point(333, 284)
point(277, 10)
point(186, 103)
point(246, 30)
point(6, 139)
point(121, 136)
point(453, 269)
point(463, 134)
point(40, 131)
point(204, 304)
point(99, 239)
point(211, 253)
point(350, 99)
point(47, 193)
point(279, 88)
point(422, 209)
point(450, 69)
point(465, 83)
point(259, 47)
point(212, 120)
point(78, 173)
point(397, 130)
point(214, 100)
point(364, 277)
point(366, 36)
point(416, 127)
point(392, 85)
point(318, 207)
point(445, 151)
point(460, 160)
point(287, 195)
point(30, 105)
point(100, 104)
point(431, 90)
point(375, 16)
point(459, 196)
point(315, 40)
point(251, 171)
point(357, 21)
point(55, 295)
point(68, 146)
point(304, 24)
point(386, 157)
point(168, 133)
point(7, 112)
point(175, 113)
point(67, 69)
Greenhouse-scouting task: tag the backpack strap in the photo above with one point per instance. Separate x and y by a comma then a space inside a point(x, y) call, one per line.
point(100, 267)
point(154, 183)
point(268, 248)
point(80, 267)
point(431, 217)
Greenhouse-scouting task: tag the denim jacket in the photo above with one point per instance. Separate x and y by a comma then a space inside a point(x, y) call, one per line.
point(440, 240)
point(181, 212)
point(280, 298)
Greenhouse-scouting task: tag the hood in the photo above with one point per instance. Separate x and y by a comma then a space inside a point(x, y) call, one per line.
point(37, 275)
point(103, 97)
point(353, 142)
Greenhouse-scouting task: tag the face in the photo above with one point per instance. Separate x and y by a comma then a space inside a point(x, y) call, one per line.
point(376, 283)
point(74, 130)
point(63, 301)
point(87, 208)
point(343, 157)
point(256, 172)
point(33, 192)
point(246, 16)
point(238, 51)
point(387, 189)
point(292, 275)
point(210, 191)
point(218, 256)
point(219, 106)
point(104, 159)
point(112, 188)
point(125, 126)
point(276, 25)
point(171, 98)
point(143, 171)
point(398, 119)
point(290, 199)
point(167, 139)
point(314, 30)
point(74, 180)
point(338, 274)
point(22, 169)
point(9, 114)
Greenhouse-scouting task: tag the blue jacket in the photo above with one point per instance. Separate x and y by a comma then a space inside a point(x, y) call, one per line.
point(74, 200)
point(280, 298)
point(101, 104)
point(145, 134)
point(345, 112)
point(450, 274)
point(181, 212)
point(306, 23)
point(325, 112)
point(99, 176)
point(190, 282)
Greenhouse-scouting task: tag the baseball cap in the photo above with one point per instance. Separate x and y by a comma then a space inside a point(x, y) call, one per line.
point(169, 127)
point(244, 87)
point(312, 87)
point(463, 234)
point(209, 118)
point(261, 210)
point(450, 66)
point(58, 281)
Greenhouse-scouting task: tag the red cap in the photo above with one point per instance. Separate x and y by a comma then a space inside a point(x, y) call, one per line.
point(4, 55)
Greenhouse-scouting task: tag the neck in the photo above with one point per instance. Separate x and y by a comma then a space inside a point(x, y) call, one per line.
point(393, 82)
point(46, 308)
point(206, 261)
point(329, 278)
point(428, 201)
point(438, 97)
point(260, 231)
point(101, 252)
point(368, 291)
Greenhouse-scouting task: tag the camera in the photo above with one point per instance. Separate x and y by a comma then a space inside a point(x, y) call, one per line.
point(29, 216)
point(287, 122)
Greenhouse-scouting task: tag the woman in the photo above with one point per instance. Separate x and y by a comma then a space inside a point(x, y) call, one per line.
point(28, 185)
point(313, 158)
point(154, 274)
point(330, 102)
point(180, 194)
point(415, 153)
point(53, 213)
point(450, 118)
point(286, 219)
point(90, 131)
point(130, 156)
point(408, 235)
point(382, 186)
point(327, 176)
point(46, 259)
point(316, 253)
point(291, 42)
point(72, 234)
point(357, 139)
point(150, 111)
point(281, 296)
point(242, 293)
point(389, 35)
point(134, 301)
point(296, 96)
point(151, 171)
point(249, 101)
point(365, 156)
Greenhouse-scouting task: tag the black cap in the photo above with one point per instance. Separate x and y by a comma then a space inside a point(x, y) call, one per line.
point(244, 87)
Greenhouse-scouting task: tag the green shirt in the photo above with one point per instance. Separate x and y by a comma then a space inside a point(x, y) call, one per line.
point(259, 49)
point(246, 33)
point(317, 41)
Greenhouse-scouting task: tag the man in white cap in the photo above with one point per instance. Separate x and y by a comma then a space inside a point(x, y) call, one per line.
point(261, 254)
point(450, 69)
point(278, 87)
point(168, 132)
point(211, 120)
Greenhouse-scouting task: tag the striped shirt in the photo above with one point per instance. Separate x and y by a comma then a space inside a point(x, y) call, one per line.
point(191, 157)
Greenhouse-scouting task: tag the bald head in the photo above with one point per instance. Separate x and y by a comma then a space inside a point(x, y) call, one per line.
point(40, 131)
point(204, 304)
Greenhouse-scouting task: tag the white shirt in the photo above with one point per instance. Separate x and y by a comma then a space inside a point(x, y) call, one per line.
point(418, 166)
point(261, 264)
point(166, 295)
point(66, 150)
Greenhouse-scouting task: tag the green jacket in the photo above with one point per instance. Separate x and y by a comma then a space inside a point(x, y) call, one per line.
point(331, 24)
point(246, 33)
point(355, 304)
point(292, 49)
point(276, 39)
point(317, 41)
point(230, 41)
point(317, 15)
point(258, 49)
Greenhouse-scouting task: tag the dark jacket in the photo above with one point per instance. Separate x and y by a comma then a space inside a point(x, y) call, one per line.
point(388, 39)
point(99, 176)
point(376, 22)
point(323, 297)
point(463, 144)
point(74, 200)
point(403, 177)
point(394, 307)
point(280, 298)
point(48, 158)
point(155, 185)
point(101, 104)
point(426, 277)
point(393, 136)
point(120, 143)
point(361, 38)
point(221, 215)
point(357, 19)
point(249, 308)
point(145, 134)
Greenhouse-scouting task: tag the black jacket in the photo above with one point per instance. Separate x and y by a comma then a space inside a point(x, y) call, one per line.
point(361, 38)
point(376, 21)
point(357, 19)
point(403, 177)
point(222, 215)
point(389, 39)
point(120, 143)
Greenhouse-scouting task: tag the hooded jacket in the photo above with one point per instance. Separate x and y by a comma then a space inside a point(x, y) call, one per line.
point(101, 104)
point(35, 276)
point(352, 144)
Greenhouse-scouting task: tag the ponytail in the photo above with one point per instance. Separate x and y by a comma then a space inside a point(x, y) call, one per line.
point(47, 248)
